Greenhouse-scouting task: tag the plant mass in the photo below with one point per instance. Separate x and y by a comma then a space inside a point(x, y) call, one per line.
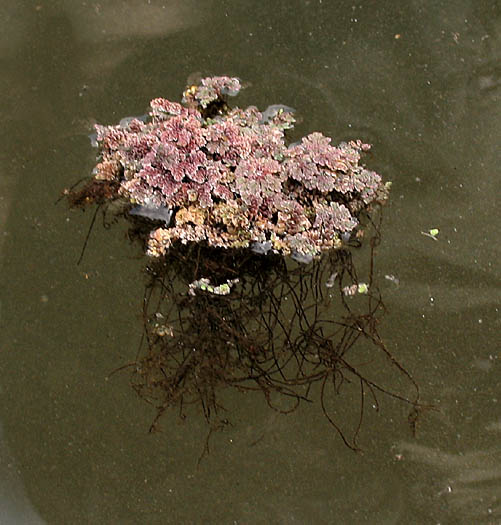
point(227, 177)
point(215, 188)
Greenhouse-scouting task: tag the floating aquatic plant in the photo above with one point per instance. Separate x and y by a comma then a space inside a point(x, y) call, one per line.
point(228, 177)
point(211, 179)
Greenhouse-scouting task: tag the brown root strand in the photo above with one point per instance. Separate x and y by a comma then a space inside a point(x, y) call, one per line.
point(279, 332)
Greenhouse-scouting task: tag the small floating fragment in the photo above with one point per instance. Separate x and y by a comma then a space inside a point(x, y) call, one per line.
point(432, 233)
point(363, 288)
point(392, 278)
point(205, 286)
point(350, 290)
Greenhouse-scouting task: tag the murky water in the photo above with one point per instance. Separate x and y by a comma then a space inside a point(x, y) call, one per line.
point(421, 81)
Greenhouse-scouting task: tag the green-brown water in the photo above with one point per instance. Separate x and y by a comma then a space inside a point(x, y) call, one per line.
point(421, 82)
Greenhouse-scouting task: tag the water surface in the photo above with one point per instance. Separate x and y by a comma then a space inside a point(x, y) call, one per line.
point(420, 81)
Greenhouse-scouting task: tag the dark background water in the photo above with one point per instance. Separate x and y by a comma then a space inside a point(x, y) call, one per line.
point(421, 81)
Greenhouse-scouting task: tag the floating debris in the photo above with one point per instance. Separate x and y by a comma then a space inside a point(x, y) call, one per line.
point(351, 290)
point(392, 278)
point(363, 288)
point(432, 233)
point(205, 286)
